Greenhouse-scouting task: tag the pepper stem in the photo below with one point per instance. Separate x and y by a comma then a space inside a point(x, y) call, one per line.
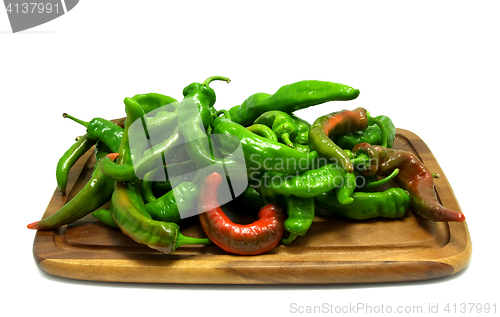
point(224, 112)
point(210, 79)
point(84, 123)
point(286, 139)
point(289, 239)
point(383, 129)
point(183, 240)
point(382, 181)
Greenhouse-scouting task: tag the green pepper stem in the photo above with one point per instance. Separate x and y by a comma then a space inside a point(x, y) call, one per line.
point(289, 239)
point(286, 139)
point(383, 129)
point(210, 79)
point(84, 123)
point(183, 240)
point(224, 112)
point(382, 181)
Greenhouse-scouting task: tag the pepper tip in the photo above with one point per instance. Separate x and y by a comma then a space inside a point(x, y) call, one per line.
point(112, 156)
point(33, 225)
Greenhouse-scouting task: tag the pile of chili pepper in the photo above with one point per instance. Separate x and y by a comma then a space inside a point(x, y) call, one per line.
point(168, 160)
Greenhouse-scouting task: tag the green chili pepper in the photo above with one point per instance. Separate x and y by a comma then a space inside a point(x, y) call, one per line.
point(263, 131)
point(128, 209)
point(127, 212)
point(280, 122)
point(262, 154)
point(105, 216)
point(392, 203)
point(102, 130)
point(93, 195)
point(372, 135)
point(290, 98)
point(310, 183)
point(193, 124)
point(194, 118)
point(300, 216)
point(182, 199)
point(69, 158)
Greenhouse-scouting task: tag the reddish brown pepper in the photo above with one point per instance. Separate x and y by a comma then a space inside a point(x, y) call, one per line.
point(325, 127)
point(255, 238)
point(413, 176)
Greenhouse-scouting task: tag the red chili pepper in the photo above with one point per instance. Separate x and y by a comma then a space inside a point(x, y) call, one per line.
point(255, 238)
point(413, 176)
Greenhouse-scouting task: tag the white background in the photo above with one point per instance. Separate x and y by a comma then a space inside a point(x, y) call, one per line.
point(432, 66)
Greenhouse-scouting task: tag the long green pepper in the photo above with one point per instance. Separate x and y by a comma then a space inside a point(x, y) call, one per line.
point(391, 203)
point(290, 98)
point(96, 192)
point(69, 158)
point(103, 130)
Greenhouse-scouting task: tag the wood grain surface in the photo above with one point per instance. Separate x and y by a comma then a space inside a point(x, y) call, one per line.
point(335, 250)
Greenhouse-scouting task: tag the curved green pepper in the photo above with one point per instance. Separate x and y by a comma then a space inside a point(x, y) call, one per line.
point(96, 192)
point(182, 199)
point(372, 134)
point(263, 131)
point(392, 203)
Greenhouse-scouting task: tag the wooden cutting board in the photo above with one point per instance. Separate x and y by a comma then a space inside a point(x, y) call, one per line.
point(335, 250)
